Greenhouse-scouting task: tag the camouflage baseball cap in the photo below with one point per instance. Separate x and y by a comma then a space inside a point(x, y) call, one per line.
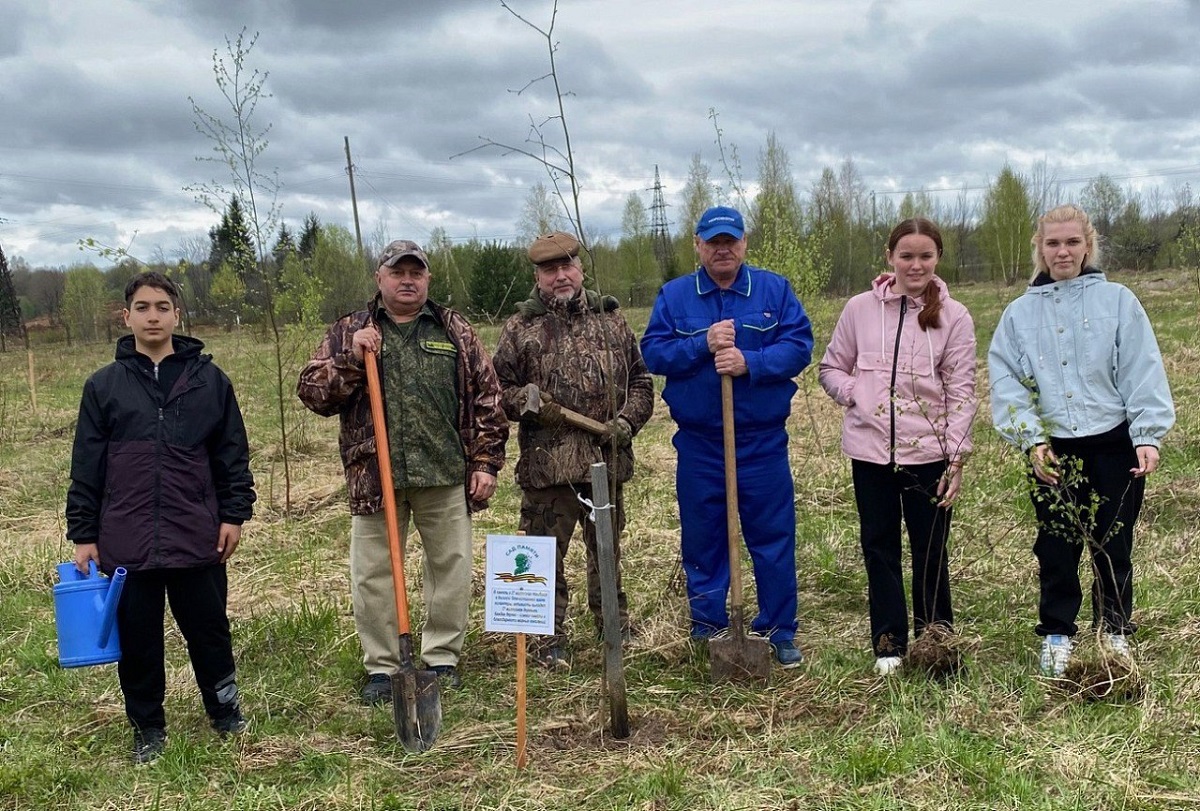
point(552, 246)
point(400, 248)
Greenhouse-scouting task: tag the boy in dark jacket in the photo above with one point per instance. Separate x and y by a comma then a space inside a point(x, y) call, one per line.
point(161, 484)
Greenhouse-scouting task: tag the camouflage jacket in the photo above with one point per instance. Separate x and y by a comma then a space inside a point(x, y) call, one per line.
point(335, 382)
point(585, 357)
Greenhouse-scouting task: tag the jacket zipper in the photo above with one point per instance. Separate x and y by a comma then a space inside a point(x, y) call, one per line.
point(892, 387)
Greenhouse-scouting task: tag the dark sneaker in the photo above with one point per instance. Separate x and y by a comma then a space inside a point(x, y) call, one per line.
point(447, 675)
point(231, 724)
point(787, 654)
point(553, 657)
point(378, 689)
point(148, 744)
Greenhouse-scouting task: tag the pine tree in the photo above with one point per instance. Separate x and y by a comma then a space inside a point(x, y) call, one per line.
point(309, 236)
point(10, 306)
point(285, 245)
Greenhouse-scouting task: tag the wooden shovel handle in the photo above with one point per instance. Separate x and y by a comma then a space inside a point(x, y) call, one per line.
point(390, 515)
point(732, 525)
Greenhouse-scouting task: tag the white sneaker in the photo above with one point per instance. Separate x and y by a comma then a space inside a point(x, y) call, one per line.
point(887, 665)
point(1118, 644)
point(1056, 652)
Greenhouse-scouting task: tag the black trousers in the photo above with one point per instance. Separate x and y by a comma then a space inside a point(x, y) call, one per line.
point(1097, 506)
point(885, 494)
point(197, 598)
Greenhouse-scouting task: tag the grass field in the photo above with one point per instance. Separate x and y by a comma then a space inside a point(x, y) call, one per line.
point(829, 735)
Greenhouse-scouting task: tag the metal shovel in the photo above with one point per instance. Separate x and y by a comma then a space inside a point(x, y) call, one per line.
point(416, 700)
point(736, 656)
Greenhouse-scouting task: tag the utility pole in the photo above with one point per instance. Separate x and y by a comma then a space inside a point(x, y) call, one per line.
point(353, 198)
point(660, 232)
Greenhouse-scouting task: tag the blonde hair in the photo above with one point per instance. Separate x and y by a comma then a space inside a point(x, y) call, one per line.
point(1067, 213)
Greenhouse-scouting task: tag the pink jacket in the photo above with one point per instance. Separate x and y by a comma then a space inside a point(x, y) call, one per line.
point(932, 373)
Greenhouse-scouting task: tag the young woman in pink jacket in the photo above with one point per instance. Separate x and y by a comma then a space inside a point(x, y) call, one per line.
point(902, 363)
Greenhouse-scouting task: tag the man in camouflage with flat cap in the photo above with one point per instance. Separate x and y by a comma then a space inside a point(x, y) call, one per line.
point(575, 346)
point(447, 433)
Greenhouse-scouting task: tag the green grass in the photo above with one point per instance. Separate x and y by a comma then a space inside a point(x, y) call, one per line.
point(826, 736)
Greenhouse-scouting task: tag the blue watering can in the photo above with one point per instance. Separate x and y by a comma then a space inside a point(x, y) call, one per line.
point(85, 613)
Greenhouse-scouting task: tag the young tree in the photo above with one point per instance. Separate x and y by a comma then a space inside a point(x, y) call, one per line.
point(1007, 226)
point(240, 142)
point(556, 157)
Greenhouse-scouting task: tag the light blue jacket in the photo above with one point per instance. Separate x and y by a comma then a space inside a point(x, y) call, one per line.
point(1077, 358)
point(771, 329)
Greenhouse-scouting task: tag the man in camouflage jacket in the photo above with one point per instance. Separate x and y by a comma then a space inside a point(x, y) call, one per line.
point(576, 347)
point(447, 432)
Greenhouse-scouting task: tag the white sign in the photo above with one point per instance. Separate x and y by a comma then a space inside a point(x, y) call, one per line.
point(519, 596)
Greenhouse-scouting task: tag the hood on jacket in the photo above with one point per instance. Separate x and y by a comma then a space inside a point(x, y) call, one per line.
point(185, 347)
point(535, 305)
point(1044, 278)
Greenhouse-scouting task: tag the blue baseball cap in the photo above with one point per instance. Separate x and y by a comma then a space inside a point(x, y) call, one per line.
point(721, 220)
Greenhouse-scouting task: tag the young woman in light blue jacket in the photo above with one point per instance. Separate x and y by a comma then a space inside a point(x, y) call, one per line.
point(1078, 384)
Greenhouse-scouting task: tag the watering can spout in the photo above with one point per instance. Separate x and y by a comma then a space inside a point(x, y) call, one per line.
point(109, 615)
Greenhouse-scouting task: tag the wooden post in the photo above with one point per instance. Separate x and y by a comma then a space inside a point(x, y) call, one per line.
point(614, 667)
point(32, 383)
point(521, 752)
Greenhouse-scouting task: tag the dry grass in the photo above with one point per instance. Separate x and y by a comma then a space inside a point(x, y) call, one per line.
point(830, 735)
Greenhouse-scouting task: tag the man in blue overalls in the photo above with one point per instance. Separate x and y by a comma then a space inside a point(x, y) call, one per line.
point(730, 318)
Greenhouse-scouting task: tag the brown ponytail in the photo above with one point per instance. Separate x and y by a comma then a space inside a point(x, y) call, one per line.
point(931, 314)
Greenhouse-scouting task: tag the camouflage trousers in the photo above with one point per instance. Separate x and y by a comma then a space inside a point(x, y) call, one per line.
point(555, 512)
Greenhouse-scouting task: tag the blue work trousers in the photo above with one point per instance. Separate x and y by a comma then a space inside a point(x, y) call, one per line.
point(766, 503)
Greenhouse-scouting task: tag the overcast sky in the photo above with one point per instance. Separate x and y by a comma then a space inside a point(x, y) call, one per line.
point(97, 136)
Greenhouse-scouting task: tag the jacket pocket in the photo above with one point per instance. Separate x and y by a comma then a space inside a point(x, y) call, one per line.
point(690, 326)
point(756, 331)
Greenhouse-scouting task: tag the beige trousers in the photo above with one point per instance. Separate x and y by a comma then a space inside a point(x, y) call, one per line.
point(442, 519)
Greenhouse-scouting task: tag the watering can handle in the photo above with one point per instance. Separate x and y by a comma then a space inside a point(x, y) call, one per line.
point(109, 619)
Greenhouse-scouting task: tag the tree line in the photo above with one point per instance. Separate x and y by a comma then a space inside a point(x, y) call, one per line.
point(827, 239)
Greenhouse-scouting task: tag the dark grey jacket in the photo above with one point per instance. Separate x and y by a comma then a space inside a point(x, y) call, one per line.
point(153, 474)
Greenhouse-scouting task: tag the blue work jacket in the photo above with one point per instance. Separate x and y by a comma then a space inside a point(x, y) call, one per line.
point(771, 329)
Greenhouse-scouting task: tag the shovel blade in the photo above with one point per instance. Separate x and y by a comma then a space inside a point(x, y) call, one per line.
point(739, 658)
point(416, 708)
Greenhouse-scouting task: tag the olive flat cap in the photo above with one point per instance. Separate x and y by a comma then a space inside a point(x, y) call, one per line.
point(552, 246)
